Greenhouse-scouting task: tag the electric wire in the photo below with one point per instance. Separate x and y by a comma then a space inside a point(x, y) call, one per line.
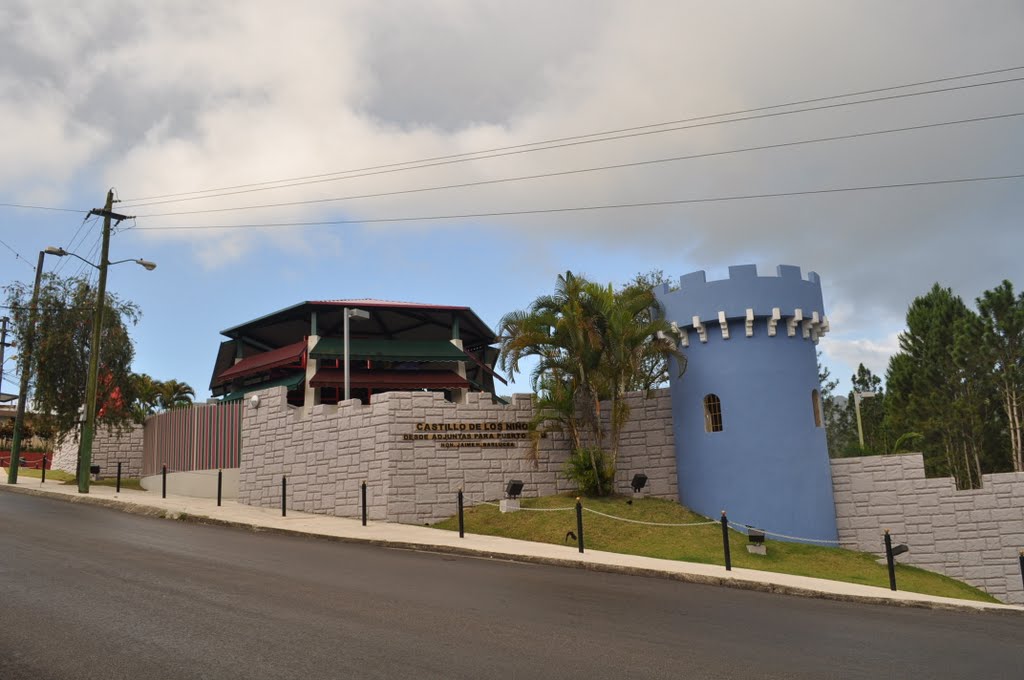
point(139, 201)
point(586, 141)
point(17, 255)
point(563, 173)
point(74, 242)
point(40, 207)
point(613, 206)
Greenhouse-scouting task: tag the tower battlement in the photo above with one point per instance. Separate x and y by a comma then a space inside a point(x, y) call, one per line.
point(785, 302)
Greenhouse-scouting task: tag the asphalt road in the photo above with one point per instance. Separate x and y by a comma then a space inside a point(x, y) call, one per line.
point(93, 593)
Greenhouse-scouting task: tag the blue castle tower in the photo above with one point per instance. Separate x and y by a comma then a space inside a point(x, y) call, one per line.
point(748, 421)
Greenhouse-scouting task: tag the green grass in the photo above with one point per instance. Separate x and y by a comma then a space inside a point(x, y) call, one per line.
point(696, 544)
point(67, 478)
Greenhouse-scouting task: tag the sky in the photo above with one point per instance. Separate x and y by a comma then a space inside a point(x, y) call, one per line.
point(220, 106)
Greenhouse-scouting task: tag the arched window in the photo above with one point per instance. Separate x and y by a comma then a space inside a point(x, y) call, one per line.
point(816, 405)
point(712, 413)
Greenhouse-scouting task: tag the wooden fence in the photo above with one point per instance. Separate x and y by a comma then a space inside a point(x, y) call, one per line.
point(198, 437)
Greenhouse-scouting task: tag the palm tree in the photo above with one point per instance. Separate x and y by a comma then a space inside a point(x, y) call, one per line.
point(175, 393)
point(591, 345)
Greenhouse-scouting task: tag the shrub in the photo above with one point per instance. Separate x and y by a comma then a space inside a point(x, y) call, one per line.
point(579, 469)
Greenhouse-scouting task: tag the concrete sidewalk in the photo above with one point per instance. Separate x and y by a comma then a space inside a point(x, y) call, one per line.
point(425, 538)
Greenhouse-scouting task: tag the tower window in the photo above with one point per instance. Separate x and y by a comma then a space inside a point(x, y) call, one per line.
point(712, 413)
point(816, 405)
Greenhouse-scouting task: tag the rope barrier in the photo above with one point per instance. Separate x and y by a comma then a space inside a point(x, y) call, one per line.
point(653, 524)
point(744, 530)
point(571, 507)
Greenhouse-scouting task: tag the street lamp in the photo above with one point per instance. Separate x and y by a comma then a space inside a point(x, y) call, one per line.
point(857, 396)
point(27, 343)
point(351, 314)
point(88, 429)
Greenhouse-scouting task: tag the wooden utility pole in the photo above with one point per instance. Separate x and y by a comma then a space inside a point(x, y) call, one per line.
point(25, 356)
point(88, 429)
point(3, 346)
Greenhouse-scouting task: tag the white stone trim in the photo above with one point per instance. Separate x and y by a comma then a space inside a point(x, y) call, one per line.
point(724, 323)
point(702, 331)
point(773, 321)
point(750, 322)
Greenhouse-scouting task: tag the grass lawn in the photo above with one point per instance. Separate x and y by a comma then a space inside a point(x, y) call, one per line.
point(67, 478)
point(695, 544)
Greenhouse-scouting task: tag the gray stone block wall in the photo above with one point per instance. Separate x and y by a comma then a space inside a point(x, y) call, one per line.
point(329, 452)
point(972, 535)
point(108, 448)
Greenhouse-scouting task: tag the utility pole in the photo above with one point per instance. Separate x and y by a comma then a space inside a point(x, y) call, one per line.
point(26, 369)
point(89, 428)
point(3, 346)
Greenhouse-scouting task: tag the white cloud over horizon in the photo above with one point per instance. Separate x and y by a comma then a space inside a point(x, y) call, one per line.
point(163, 97)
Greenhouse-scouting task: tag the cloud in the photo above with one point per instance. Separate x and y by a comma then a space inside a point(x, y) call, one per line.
point(196, 95)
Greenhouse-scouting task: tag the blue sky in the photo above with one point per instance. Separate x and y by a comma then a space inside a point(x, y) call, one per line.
point(197, 96)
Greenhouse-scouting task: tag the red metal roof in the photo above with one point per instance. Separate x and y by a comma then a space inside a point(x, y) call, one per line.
point(335, 377)
point(370, 302)
point(259, 363)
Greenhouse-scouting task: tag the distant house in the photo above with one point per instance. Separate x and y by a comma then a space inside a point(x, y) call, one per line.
point(392, 346)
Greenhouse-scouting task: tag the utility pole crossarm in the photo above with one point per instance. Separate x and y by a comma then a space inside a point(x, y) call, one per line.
point(108, 213)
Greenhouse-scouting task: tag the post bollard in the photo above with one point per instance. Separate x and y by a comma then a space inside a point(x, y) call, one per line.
point(1022, 565)
point(462, 523)
point(579, 523)
point(42, 474)
point(364, 503)
point(725, 542)
point(117, 487)
point(163, 488)
point(889, 560)
point(220, 484)
point(284, 496)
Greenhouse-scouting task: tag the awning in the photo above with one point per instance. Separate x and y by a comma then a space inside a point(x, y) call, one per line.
point(265, 361)
point(390, 380)
point(388, 350)
point(291, 382)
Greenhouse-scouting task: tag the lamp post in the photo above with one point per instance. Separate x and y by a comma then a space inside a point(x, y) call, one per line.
point(27, 345)
point(857, 396)
point(350, 314)
point(89, 427)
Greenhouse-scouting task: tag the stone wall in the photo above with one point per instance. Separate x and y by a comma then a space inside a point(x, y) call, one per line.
point(108, 448)
point(972, 535)
point(413, 475)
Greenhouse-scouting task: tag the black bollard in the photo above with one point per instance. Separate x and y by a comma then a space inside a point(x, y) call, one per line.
point(43, 473)
point(364, 503)
point(890, 560)
point(220, 484)
point(163, 492)
point(284, 496)
point(1022, 565)
point(462, 523)
point(579, 523)
point(117, 488)
point(725, 542)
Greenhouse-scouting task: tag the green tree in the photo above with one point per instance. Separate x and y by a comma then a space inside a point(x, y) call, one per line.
point(1002, 317)
point(63, 342)
point(592, 345)
point(940, 387)
point(872, 414)
point(173, 393)
point(839, 432)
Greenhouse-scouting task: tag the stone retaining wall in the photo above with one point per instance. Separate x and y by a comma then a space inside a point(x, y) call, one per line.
point(412, 475)
point(972, 535)
point(108, 448)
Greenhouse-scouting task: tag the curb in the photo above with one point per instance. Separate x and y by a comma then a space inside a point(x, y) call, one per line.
point(700, 579)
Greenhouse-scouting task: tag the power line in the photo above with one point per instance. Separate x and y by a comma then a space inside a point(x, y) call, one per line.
point(40, 207)
point(17, 255)
point(73, 243)
point(563, 173)
point(573, 140)
point(614, 206)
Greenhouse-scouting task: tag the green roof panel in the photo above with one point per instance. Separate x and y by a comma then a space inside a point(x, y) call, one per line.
point(388, 350)
point(291, 382)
